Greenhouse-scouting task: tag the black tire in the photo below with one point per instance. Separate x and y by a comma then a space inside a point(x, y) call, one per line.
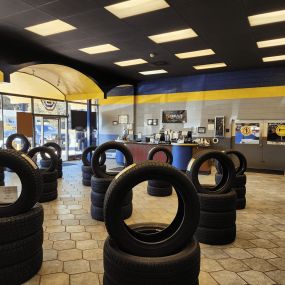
point(49, 176)
point(159, 192)
point(22, 272)
point(56, 147)
point(31, 180)
point(20, 250)
point(165, 150)
point(2, 176)
point(86, 182)
point(242, 161)
point(100, 185)
point(176, 235)
point(25, 141)
point(47, 197)
point(49, 187)
point(59, 174)
point(180, 268)
point(216, 236)
point(20, 226)
point(158, 183)
point(228, 172)
point(217, 220)
point(241, 204)
point(50, 152)
point(88, 151)
point(87, 169)
point(217, 202)
point(86, 176)
point(218, 177)
point(2, 183)
point(97, 199)
point(240, 181)
point(101, 149)
point(97, 213)
point(241, 191)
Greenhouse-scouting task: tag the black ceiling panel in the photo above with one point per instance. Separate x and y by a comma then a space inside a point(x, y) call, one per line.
point(12, 7)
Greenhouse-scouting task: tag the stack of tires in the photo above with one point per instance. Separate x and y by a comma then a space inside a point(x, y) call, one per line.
point(2, 176)
point(159, 188)
point(49, 174)
point(86, 168)
point(46, 161)
point(239, 184)
point(101, 180)
point(21, 223)
point(153, 254)
point(217, 225)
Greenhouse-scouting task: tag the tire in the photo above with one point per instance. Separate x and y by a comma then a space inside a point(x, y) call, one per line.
point(176, 235)
point(216, 236)
point(165, 150)
point(47, 197)
point(158, 183)
point(228, 172)
point(242, 161)
point(97, 213)
point(180, 268)
point(49, 176)
point(20, 226)
point(86, 182)
point(24, 270)
point(31, 181)
point(2, 176)
point(240, 181)
point(241, 204)
point(20, 250)
point(2, 183)
point(97, 199)
point(86, 169)
point(217, 202)
point(218, 177)
point(86, 176)
point(100, 185)
point(45, 163)
point(217, 220)
point(241, 191)
point(159, 192)
point(59, 174)
point(26, 143)
point(87, 151)
point(56, 147)
point(50, 152)
point(101, 149)
point(49, 187)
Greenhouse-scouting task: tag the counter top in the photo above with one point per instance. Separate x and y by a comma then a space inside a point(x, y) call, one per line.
point(184, 144)
point(159, 144)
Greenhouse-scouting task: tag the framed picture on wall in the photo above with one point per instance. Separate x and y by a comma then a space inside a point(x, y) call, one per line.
point(178, 116)
point(123, 119)
point(220, 126)
point(149, 122)
point(155, 122)
point(201, 130)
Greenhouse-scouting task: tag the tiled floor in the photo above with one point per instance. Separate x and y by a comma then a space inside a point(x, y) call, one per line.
point(73, 241)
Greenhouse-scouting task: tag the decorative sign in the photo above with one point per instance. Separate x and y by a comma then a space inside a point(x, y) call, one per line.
point(220, 126)
point(49, 105)
point(179, 116)
point(8, 194)
point(247, 133)
point(276, 133)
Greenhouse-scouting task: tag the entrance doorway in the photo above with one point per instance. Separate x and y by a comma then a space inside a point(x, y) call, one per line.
point(51, 129)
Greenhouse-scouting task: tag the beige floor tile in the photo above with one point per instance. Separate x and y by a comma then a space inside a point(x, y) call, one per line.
point(227, 278)
point(234, 265)
point(261, 253)
point(75, 229)
point(210, 265)
point(88, 278)
point(93, 254)
point(207, 279)
point(259, 264)
point(34, 281)
point(280, 251)
point(278, 262)
point(69, 254)
point(80, 236)
point(55, 229)
point(49, 254)
point(53, 266)
point(64, 244)
point(214, 253)
point(59, 236)
point(86, 244)
point(237, 253)
point(263, 243)
point(55, 279)
point(97, 266)
point(256, 278)
point(76, 266)
point(278, 276)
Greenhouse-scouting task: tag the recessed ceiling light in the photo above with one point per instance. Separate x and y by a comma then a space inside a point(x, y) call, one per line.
point(131, 62)
point(271, 43)
point(274, 58)
point(136, 7)
point(267, 18)
point(196, 53)
point(173, 36)
point(99, 49)
point(150, 72)
point(50, 28)
point(212, 65)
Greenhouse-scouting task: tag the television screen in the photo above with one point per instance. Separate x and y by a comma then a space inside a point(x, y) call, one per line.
point(79, 120)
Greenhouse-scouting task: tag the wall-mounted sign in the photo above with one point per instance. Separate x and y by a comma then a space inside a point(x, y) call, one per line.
point(247, 133)
point(123, 119)
point(49, 105)
point(276, 133)
point(220, 126)
point(179, 116)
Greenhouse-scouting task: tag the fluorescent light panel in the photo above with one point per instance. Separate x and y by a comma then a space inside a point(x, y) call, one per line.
point(50, 28)
point(196, 53)
point(209, 66)
point(267, 18)
point(151, 72)
point(173, 36)
point(274, 58)
point(131, 62)
point(136, 7)
point(99, 49)
point(271, 43)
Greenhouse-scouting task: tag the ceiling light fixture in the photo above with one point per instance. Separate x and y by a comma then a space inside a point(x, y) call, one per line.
point(99, 49)
point(196, 53)
point(209, 66)
point(267, 18)
point(151, 72)
point(50, 28)
point(173, 36)
point(271, 43)
point(136, 7)
point(131, 62)
point(274, 58)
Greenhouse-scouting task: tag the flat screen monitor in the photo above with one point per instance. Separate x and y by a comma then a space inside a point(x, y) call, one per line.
point(79, 120)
